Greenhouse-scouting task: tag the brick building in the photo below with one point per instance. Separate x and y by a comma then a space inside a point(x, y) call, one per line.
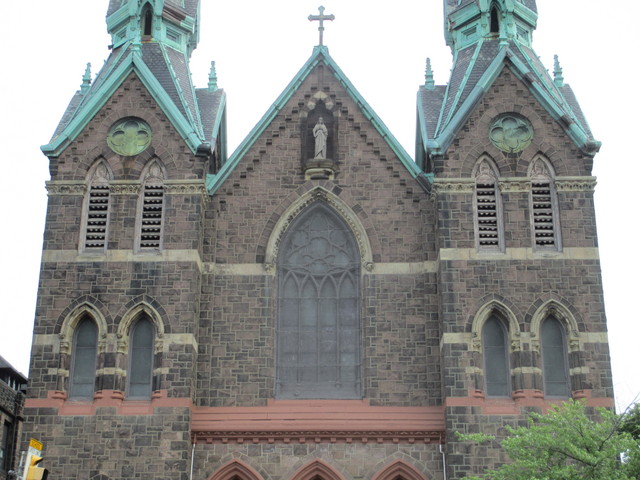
point(318, 304)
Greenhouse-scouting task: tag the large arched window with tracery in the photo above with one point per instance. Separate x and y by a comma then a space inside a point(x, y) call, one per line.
point(318, 308)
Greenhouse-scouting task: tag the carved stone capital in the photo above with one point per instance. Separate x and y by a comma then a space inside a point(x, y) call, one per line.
point(55, 188)
point(456, 185)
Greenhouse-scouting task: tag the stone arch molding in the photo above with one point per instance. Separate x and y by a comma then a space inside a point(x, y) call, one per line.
point(124, 328)
point(505, 313)
point(70, 323)
point(485, 166)
point(552, 308)
point(317, 469)
point(236, 469)
point(318, 194)
point(541, 167)
point(399, 470)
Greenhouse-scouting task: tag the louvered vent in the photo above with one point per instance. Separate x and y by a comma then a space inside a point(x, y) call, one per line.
point(151, 227)
point(97, 216)
point(543, 228)
point(487, 214)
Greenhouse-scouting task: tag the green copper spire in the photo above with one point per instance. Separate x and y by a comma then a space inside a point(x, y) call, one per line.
point(155, 21)
point(429, 83)
point(558, 79)
point(213, 78)
point(469, 21)
point(86, 80)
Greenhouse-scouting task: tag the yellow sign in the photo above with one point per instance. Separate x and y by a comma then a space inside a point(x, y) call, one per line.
point(35, 444)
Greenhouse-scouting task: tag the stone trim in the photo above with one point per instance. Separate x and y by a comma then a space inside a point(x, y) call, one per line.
point(72, 256)
point(126, 187)
point(236, 469)
point(515, 184)
point(521, 253)
point(58, 188)
point(318, 421)
point(110, 339)
point(398, 469)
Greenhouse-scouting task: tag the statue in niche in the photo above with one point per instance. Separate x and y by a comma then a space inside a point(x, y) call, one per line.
point(320, 133)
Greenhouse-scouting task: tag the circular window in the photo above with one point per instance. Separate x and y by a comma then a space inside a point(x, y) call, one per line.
point(129, 136)
point(511, 133)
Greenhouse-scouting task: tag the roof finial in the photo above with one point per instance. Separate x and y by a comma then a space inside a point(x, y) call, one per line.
point(86, 80)
point(428, 76)
point(321, 18)
point(558, 79)
point(213, 78)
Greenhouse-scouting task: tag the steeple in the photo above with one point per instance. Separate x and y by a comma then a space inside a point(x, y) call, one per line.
point(152, 39)
point(487, 36)
point(469, 21)
point(174, 23)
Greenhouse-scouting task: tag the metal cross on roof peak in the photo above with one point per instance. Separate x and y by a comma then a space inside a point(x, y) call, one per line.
point(321, 18)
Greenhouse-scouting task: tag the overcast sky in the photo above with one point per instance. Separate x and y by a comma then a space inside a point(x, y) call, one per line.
point(258, 47)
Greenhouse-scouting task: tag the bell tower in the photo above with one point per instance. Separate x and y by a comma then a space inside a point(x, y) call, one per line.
point(160, 21)
point(469, 21)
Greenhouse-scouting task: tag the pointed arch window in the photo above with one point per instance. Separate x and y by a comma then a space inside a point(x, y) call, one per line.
point(147, 21)
point(554, 358)
point(151, 209)
point(141, 353)
point(318, 315)
point(83, 360)
point(497, 374)
point(96, 217)
point(495, 20)
point(488, 209)
point(544, 207)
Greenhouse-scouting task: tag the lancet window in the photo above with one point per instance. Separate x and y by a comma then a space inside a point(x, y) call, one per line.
point(83, 360)
point(497, 374)
point(96, 217)
point(554, 358)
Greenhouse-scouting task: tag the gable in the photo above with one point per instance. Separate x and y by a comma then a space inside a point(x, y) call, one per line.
point(508, 95)
point(443, 110)
point(320, 60)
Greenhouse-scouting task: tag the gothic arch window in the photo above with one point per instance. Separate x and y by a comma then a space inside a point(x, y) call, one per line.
point(317, 470)
point(318, 353)
point(236, 470)
point(141, 354)
point(151, 209)
point(147, 21)
point(489, 225)
point(399, 470)
point(95, 220)
point(495, 20)
point(544, 206)
point(497, 372)
point(555, 371)
point(83, 359)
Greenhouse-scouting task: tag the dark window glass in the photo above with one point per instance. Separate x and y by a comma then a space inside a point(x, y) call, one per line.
point(495, 20)
point(83, 369)
point(147, 21)
point(319, 322)
point(496, 360)
point(554, 359)
point(141, 359)
point(5, 446)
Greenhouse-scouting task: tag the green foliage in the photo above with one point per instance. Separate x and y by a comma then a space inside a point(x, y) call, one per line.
point(631, 421)
point(565, 444)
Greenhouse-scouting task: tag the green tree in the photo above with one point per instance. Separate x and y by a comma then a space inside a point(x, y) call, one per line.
point(566, 444)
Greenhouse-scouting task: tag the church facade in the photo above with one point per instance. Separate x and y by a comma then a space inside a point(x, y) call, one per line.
point(318, 304)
